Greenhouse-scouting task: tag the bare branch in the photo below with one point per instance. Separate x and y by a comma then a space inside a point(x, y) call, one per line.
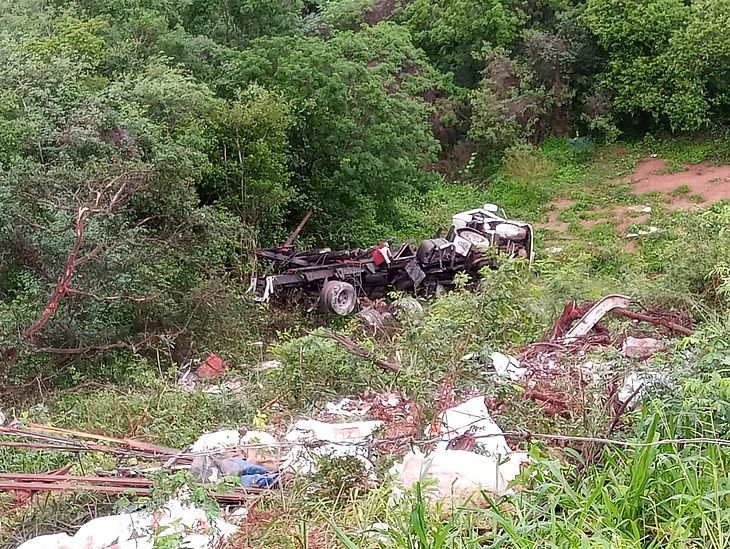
point(135, 298)
point(357, 350)
point(84, 350)
point(62, 286)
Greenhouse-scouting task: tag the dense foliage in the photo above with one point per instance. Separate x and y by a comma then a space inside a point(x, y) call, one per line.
point(147, 146)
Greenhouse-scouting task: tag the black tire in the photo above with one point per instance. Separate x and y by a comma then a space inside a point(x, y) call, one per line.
point(338, 297)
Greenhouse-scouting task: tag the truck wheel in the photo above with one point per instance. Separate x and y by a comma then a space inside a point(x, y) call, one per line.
point(473, 236)
point(338, 297)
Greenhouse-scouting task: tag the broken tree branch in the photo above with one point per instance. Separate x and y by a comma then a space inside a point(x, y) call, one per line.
point(293, 236)
point(62, 286)
point(358, 350)
point(654, 320)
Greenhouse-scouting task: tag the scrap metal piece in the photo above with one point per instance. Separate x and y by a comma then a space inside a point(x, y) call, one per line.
point(595, 314)
point(415, 272)
point(293, 236)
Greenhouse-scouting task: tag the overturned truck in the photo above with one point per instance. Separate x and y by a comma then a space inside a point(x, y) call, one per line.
point(340, 278)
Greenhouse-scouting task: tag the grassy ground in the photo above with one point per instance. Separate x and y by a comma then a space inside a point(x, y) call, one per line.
point(662, 495)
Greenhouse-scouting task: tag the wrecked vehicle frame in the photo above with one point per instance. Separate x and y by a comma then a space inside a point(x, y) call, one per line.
point(340, 278)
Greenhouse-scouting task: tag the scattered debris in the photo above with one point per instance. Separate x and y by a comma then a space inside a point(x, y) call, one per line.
point(226, 387)
point(641, 348)
point(595, 314)
point(642, 232)
point(220, 440)
point(143, 529)
point(375, 317)
point(348, 408)
point(486, 462)
point(269, 365)
point(401, 420)
point(256, 447)
point(332, 440)
point(212, 367)
point(507, 366)
point(406, 307)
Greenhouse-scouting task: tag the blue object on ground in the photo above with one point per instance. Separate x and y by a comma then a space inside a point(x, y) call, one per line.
point(255, 476)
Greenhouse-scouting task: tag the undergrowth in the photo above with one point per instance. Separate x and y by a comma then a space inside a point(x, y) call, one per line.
point(655, 495)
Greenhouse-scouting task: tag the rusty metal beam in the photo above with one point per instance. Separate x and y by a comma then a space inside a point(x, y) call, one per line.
point(41, 477)
point(293, 236)
point(102, 485)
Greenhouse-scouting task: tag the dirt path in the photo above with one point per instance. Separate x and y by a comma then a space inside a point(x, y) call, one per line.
point(687, 187)
point(695, 185)
point(705, 180)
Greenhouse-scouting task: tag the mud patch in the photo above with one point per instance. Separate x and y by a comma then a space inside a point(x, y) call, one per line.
point(702, 183)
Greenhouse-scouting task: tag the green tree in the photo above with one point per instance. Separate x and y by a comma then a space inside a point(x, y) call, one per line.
point(361, 133)
point(643, 75)
point(103, 241)
point(249, 170)
point(454, 32)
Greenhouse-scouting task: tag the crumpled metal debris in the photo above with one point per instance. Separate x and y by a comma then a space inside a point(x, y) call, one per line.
point(406, 307)
point(507, 366)
point(595, 314)
point(143, 530)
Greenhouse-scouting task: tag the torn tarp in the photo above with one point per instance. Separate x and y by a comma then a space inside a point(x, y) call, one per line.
point(489, 464)
point(333, 440)
point(177, 519)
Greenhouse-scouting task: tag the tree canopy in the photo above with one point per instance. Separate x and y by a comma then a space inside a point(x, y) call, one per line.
point(147, 146)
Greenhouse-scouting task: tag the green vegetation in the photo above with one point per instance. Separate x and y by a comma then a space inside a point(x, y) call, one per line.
point(147, 147)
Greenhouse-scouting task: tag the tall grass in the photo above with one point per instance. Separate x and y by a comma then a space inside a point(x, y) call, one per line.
point(655, 496)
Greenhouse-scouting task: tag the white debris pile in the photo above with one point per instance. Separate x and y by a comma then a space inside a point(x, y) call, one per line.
point(635, 384)
point(643, 232)
point(333, 440)
point(507, 366)
point(256, 447)
point(348, 407)
point(460, 474)
point(178, 519)
point(305, 443)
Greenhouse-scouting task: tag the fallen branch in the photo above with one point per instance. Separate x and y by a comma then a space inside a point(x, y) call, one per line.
point(358, 350)
point(135, 298)
point(654, 320)
point(62, 286)
point(84, 350)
